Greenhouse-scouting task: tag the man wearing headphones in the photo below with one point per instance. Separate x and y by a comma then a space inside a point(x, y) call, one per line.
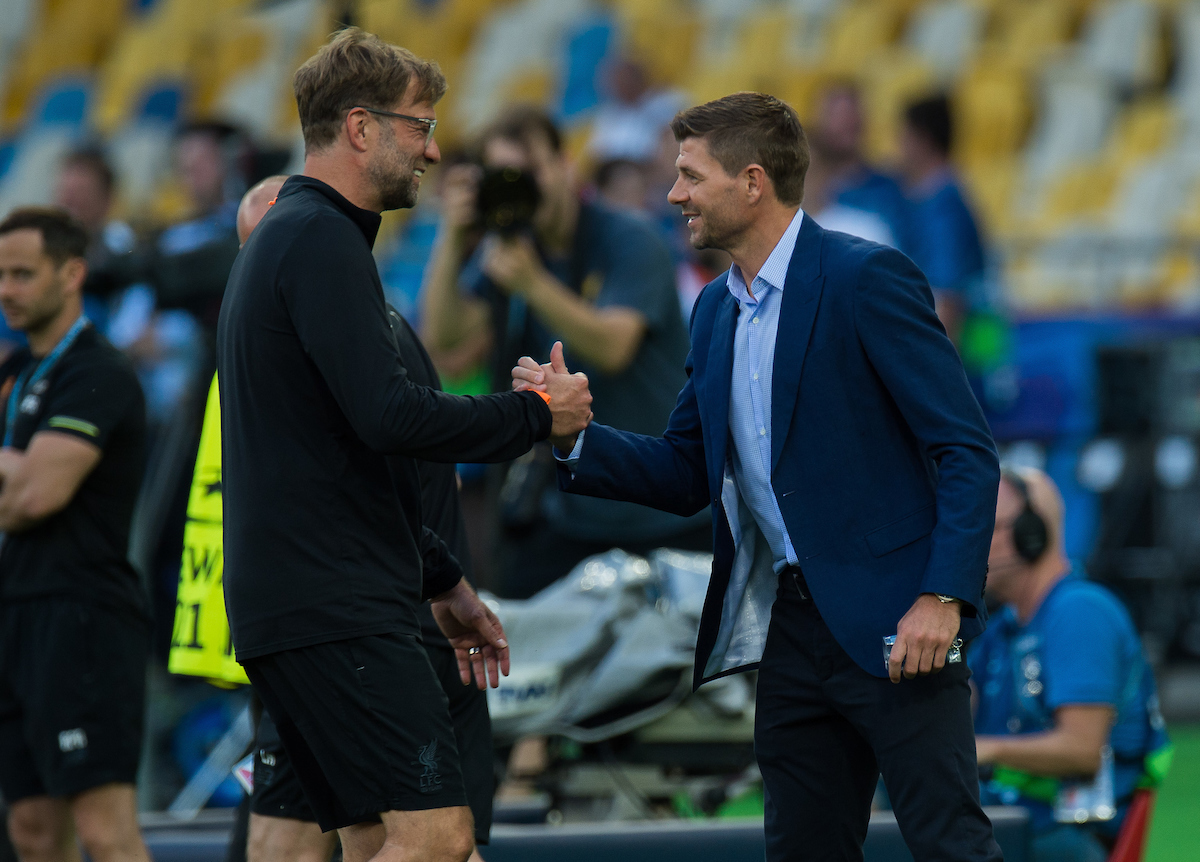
point(1066, 717)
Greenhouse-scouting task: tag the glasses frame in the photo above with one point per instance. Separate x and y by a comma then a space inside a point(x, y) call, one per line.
point(429, 123)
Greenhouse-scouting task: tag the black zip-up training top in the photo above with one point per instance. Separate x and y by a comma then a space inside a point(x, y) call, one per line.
point(321, 538)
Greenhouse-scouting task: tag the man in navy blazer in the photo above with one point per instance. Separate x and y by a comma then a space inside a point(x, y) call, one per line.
point(853, 482)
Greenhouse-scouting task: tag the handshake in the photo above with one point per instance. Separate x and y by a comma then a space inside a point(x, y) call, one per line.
point(570, 400)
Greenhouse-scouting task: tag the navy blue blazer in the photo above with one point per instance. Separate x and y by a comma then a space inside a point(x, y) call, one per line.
point(881, 461)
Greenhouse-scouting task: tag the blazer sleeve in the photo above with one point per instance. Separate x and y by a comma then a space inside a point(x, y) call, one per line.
point(666, 473)
point(909, 350)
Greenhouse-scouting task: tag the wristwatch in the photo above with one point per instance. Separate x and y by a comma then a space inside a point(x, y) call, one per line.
point(946, 600)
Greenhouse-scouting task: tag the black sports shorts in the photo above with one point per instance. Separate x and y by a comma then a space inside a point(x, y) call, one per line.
point(366, 726)
point(72, 697)
point(277, 791)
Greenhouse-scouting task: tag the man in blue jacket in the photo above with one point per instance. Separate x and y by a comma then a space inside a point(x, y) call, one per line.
point(852, 480)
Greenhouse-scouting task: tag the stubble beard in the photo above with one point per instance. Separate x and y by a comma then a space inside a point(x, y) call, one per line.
point(393, 177)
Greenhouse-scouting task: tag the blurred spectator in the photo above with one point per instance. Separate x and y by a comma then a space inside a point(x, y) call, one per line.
point(630, 121)
point(193, 258)
point(621, 183)
point(601, 281)
point(842, 191)
point(1067, 714)
point(85, 188)
point(946, 242)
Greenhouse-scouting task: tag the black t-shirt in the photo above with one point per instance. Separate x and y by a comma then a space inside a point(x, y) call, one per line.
point(440, 509)
point(81, 552)
point(320, 529)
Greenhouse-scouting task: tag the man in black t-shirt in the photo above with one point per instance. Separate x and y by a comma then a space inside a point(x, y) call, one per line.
point(74, 626)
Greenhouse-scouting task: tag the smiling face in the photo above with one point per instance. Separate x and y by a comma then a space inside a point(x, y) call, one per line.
point(713, 202)
point(401, 155)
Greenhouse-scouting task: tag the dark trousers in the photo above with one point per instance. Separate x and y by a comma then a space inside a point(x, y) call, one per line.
point(825, 729)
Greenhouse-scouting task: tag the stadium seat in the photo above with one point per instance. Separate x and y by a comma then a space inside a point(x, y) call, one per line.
point(1122, 40)
point(64, 102)
point(992, 110)
point(892, 80)
point(1077, 107)
point(945, 34)
point(857, 33)
point(68, 39)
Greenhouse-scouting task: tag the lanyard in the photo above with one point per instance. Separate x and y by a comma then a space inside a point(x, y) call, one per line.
point(36, 372)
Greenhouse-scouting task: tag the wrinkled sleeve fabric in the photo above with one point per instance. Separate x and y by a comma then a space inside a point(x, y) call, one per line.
point(666, 473)
point(441, 569)
point(341, 321)
point(921, 370)
point(89, 401)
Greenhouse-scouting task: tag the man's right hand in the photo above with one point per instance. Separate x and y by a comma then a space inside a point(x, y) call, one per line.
point(570, 399)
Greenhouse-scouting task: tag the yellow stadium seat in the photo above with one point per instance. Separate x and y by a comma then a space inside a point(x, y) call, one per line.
point(858, 32)
point(71, 36)
point(992, 188)
point(889, 82)
point(992, 111)
point(1143, 129)
point(1080, 194)
point(664, 43)
point(135, 62)
point(1025, 32)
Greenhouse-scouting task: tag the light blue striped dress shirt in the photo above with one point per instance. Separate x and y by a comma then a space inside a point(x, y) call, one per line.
point(750, 390)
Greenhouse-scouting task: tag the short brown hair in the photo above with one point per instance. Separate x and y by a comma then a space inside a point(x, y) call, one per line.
point(92, 159)
point(521, 124)
point(358, 69)
point(751, 128)
point(63, 238)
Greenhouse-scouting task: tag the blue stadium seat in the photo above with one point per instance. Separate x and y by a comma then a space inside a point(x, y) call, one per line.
point(8, 149)
point(65, 101)
point(163, 104)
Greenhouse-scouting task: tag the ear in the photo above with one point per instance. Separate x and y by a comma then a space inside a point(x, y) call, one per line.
point(74, 273)
point(756, 183)
point(356, 129)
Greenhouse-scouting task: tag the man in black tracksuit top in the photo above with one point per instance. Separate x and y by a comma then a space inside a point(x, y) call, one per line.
point(322, 568)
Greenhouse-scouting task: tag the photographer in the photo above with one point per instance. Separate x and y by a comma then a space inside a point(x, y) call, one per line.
point(598, 279)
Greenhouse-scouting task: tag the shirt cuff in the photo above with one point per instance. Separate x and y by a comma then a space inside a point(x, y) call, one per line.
point(572, 459)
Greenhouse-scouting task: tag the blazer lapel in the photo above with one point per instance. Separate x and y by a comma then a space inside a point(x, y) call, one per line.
point(801, 297)
point(720, 376)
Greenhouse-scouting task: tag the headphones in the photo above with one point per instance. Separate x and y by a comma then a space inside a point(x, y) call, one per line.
point(1031, 538)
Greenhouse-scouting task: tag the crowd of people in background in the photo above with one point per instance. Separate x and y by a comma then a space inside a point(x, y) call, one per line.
point(623, 276)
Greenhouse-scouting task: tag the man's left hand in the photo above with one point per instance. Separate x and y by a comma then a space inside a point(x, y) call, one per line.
point(474, 632)
point(923, 637)
point(512, 263)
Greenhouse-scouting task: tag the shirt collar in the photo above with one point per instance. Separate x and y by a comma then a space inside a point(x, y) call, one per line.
point(774, 270)
point(368, 222)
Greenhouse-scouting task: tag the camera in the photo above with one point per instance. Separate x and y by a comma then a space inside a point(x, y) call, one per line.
point(506, 200)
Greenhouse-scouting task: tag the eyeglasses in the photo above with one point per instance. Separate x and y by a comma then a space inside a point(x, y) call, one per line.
point(428, 123)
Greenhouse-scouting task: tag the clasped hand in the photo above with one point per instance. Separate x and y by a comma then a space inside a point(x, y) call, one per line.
point(923, 637)
point(570, 399)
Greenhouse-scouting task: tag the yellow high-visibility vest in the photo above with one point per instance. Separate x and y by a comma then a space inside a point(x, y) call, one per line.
point(200, 642)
